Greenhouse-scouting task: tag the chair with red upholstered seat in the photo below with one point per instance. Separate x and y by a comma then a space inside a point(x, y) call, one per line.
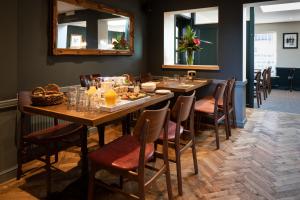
point(183, 111)
point(211, 109)
point(46, 139)
point(128, 155)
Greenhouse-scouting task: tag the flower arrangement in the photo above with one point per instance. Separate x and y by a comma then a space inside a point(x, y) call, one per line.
point(189, 44)
point(120, 43)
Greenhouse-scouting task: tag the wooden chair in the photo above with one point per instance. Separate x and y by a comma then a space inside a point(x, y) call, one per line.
point(264, 83)
point(85, 80)
point(257, 88)
point(145, 77)
point(128, 155)
point(182, 112)
point(269, 83)
point(210, 109)
point(46, 139)
point(230, 110)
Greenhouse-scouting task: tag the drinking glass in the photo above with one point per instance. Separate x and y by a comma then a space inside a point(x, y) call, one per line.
point(182, 79)
point(72, 98)
point(82, 100)
point(176, 77)
point(165, 79)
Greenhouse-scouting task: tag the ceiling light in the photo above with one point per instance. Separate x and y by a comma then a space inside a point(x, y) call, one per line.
point(281, 7)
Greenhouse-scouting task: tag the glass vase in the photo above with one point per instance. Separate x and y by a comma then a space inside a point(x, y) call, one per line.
point(189, 57)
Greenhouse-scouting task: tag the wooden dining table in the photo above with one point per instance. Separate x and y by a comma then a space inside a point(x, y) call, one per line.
point(187, 86)
point(92, 118)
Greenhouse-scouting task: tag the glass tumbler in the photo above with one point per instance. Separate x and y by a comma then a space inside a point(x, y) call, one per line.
point(82, 100)
point(72, 98)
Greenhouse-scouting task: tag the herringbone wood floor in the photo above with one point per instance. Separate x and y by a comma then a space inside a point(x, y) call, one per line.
point(260, 161)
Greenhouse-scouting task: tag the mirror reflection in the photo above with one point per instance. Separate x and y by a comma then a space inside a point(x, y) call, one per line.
point(82, 28)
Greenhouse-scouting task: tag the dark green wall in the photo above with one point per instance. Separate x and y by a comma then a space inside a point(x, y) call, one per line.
point(8, 50)
point(36, 67)
point(230, 39)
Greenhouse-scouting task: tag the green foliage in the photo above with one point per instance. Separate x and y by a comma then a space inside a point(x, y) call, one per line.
point(120, 43)
point(189, 42)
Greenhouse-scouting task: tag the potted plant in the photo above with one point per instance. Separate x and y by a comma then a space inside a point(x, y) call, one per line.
point(189, 44)
point(120, 43)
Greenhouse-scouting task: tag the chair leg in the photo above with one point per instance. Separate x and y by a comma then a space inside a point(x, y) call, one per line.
point(19, 170)
point(178, 168)
point(194, 153)
point(101, 131)
point(141, 189)
point(257, 99)
point(91, 187)
point(48, 169)
point(168, 180)
point(227, 125)
point(217, 135)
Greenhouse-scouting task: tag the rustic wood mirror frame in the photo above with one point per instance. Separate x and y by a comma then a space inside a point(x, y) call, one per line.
point(93, 6)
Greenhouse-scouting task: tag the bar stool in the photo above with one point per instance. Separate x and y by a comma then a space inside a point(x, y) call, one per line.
point(182, 112)
point(128, 155)
point(210, 109)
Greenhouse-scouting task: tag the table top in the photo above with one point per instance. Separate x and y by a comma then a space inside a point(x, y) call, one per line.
point(188, 86)
point(92, 118)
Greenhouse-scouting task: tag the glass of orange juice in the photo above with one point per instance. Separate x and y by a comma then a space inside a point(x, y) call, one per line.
point(110, 97)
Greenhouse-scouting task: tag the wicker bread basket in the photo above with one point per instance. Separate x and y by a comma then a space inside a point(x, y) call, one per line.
point(47, 96)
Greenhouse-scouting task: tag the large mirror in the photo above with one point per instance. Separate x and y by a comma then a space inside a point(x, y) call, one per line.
point(83, 27)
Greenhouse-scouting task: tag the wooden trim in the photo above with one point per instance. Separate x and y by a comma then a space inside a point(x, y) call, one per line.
point(10, 103)
point(93, 6)
point(193, 67)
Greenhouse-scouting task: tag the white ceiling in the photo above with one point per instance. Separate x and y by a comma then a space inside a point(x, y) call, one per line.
point(274, 17)
point(63, 7)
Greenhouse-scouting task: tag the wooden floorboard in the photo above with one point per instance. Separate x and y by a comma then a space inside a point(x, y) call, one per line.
point(260, 161)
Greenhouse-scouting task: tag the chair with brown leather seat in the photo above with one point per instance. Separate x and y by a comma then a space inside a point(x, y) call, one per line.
point(182, 112)
point(257, 88)
point(128, 155)
point(210, 109)
point(46, 139)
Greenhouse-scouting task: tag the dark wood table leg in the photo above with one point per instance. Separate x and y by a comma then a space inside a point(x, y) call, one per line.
point(101, 130)
point(84, 152)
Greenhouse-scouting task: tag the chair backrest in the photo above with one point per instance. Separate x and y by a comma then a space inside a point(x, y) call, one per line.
point(86, 79)
point(24, 98)
point(264, 75)
point(153, 121)
point(145, 77)
point(257, 79)
point(182, 108)
point(230, 87)
point(219, 93)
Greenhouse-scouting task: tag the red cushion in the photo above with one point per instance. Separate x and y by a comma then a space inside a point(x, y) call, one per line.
point(122, 154)
point(212, 99)
point(171, 131)
point(205, 106)
point(53, 133)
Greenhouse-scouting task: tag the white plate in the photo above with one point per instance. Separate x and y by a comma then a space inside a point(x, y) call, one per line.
point(163, 91)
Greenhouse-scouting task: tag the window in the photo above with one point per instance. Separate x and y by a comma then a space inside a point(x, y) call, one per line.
point(265, 50)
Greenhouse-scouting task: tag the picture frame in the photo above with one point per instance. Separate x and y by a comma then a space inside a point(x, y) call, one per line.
point(290, 40)
point(75, 42)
